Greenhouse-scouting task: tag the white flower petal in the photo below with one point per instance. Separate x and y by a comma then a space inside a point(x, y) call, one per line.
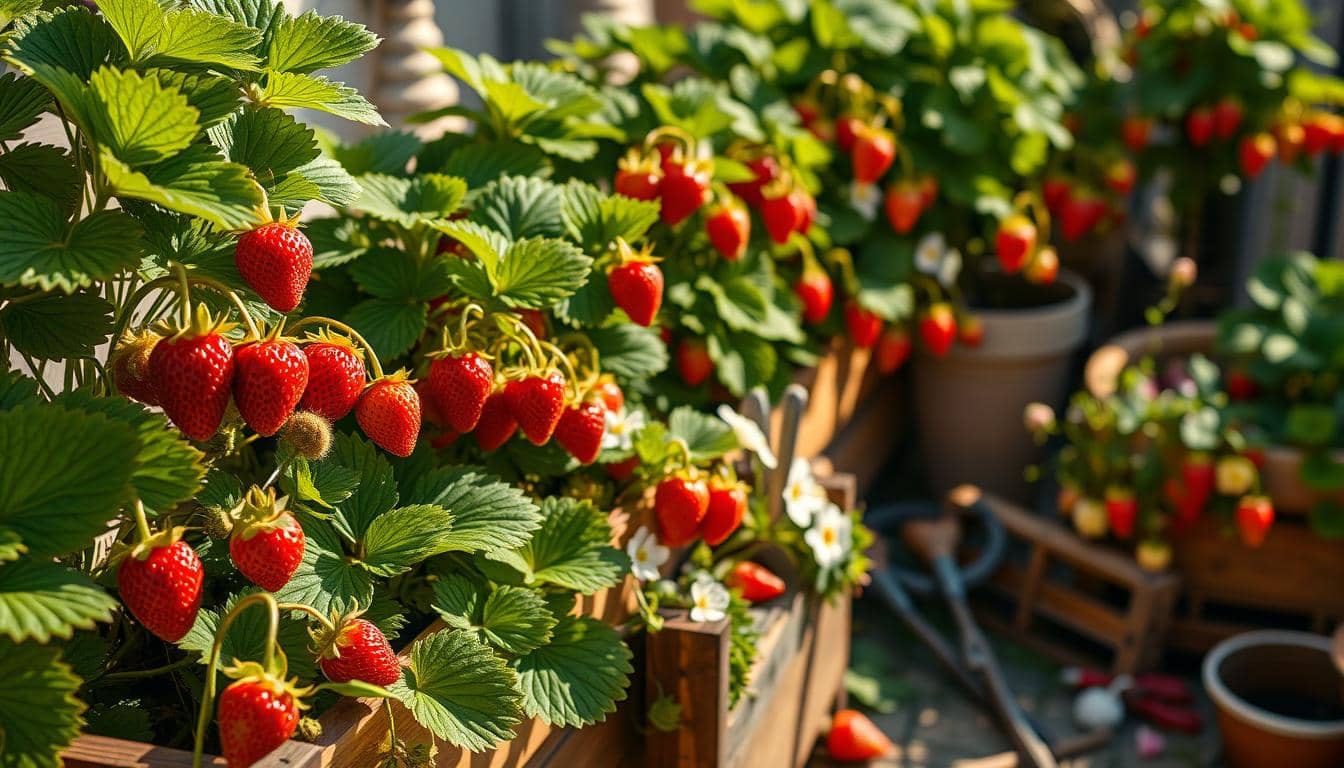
point(749, 435)
point(865, 199)
point(950, 268)
point(929, 253)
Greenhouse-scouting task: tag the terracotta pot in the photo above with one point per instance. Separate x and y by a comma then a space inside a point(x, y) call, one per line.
point(1279, 699)
point(969, 403)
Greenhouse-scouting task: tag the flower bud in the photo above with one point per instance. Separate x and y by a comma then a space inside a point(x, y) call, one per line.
point(1183, 272)
point(1038, 417)
point(1234, 475)
point(308, 433)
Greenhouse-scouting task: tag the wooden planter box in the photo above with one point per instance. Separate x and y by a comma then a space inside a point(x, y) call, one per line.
point(838, 386)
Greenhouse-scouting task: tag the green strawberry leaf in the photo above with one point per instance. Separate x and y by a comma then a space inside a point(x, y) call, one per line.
point(629, 352)
point(520, 207)
point(336, 241)
point(387, 152)
point(195, 182)
point(41, 249)
point(404, 537)
point(39, 714)
point(537, 272)
point(375, 492)
point(215, 97)
point(392, 273)
point(572, 549)
point(292, 90)
point(41, 600)
point(14, 9)
point(323, 179)
point(427, 198)
point(262, 15)
point(269, 141)
point(390, 326)
point(461, 691)
point(326, 579)
point(22, 101)
point(246, 638)
point(42, 169)
point(512, 619)
point(199, 37)
point(480, 164)
point(707, 437)
point(55, 327)
point(311, 42)
point(136, 118)
point(11, 546)
point(488, 514)
point(70, 39)
point(595, 219)
point(577, 678)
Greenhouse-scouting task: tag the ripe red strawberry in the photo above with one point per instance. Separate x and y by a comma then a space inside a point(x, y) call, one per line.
point(637, 287)
point(1187, 511)
point(781, 214)
point(1055, 190)
point(1122, 509)
point(757, 583)
point(535, 321)
point(680, 503)
point(928, 191)
point(1240, 386)
point(610, 393)
point(192, 374)
point(496, 424)
point(1227, 115)
point(1015, 242)
point(1318, 133)
point(1080, 213)
point(1255, 514)
point(904, 203)
point(457, 386)
point(873, 153)
point(847, 129)
point(267, 542)
point(160, 582)
point(766, 169)
point(854, 738)
point(276, 261)
point(638, 176)
point(893, 349)
point(269, 377)
point(129, 366)
point(971, 331)
point(727, 505)
point(684, 189)
point(1120, 177)
point(1199, 126)
point(1198, 476)
point(389, 413)
point(1135, 130)
point(580, 430)
point(815, 290)
point(257, 714)
point(356, 650)
point(864, 326)
point(335, 376)
point(620, 471)
point(536, 403)
point(1255, 152)
point(1291, 138)
point(1044, 268)
point(938, 328)
point(729, 228)
point(694, 364)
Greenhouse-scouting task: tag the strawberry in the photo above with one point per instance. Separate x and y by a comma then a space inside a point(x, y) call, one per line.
point(1015, 242)
point(971, 331)
point(1135, 131)
point(1318, 132)
point(620, 471)
point(457, 386)
point(1291, 137)
point(684, 189)
point(1187, 508)
point(928, 191)
point(267, 542)
point(535, 321)
point(782, 215)
point(580, 430)
point(1198, 476)
point(1227, 115)
point(1079, 214)
point(610, 393)
point(680, 503)
point(129, 366)
point(1122, 509)
point(693, 362)
point(636, 286)
point(638, 175)
point(864, 326)
point(806, 205)
point(160, 582)
point(257, 713)
point(729, 227)
point(496, 424)
point(1255, 152)
point(847, 129)
point(815, 290)
point(1055, 190)
point(1254, 516)
point(1044, 268)
point(727, 505)
point(430, 413)
point(766, 169)
point(873, 153)
point(757, 583)
point(356, 649)
point(192, 373)
point(276, 260)
point(536, 403)
point(893, 349)
point(335, 376)
point(389, 413)
point(938, 328)
point(1120, 177)
point(1199, 126)
point(854, 738)
point(904, 203)
point(1240, 386)
point(269, 377)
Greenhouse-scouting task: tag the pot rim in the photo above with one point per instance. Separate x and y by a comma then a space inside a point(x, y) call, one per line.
point(1077, 302)
point(1234, 705)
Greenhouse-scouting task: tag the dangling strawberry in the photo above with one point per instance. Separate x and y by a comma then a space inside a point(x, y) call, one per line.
point(1318, 133)
point(854, 738)
point(847, 129)
point(1255, 152)
point(893, 349)
point(1015, 242)
point(535, 320)
point(129, 366)
point(694, 364)
point(458, 385)
point(638, 175)
point(873, 153)
point(1055, 190)
point(258, 712)
point(1044, 268)
point(781, 213)
point(806, 205)
point(680, 503)
point(636, 285)
point(580, 430)
point(1122, 509)
point(389, 413)
point(1120, 176)
point(192, 374)
point(355, 649)
point(609, 392)
point(971, 331)
point(276, 260)
point(815, 290)
point(904, 203)
point(335, 376)
point(1135, 130)
point(938, 329)
point(757, 583)
point(269, 377)
point(684, 189)
point(1199, 126)
point(1198, 476)
point(160, 582)
point(267, 542)
point(727, 505)
point(1227, 117)
point(1291, 137)
point(1255, 514)
point(1079, 214)
point(496, 424)
point(620, 471)
point(766, 169)
point(536, 403)
point(729, 228)
point(928, 191)
point(863, 324)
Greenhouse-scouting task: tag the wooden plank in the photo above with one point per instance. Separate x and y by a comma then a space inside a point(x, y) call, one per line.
point(864, 444)
point(103, 752)
point(1030, 587)
point(688, 660)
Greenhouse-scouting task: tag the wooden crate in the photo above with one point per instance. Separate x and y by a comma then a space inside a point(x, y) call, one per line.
point(1078, 589)
point(837, 387)
point(870, 437)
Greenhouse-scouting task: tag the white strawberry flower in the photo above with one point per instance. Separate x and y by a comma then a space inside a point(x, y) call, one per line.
point(865, 199)
point(749, 435)
point(646, 554)
point(620, 429)
point(929, 253)
point(831, 537)
point(950, 268)
point(803, 496)
point(709, 600)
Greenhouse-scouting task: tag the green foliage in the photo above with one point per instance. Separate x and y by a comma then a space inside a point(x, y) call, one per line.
point(461, 691)
point(39, 713)
point(575, 679)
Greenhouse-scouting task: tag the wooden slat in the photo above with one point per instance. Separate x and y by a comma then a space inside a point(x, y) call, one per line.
point(688, 660)
point(104, 752)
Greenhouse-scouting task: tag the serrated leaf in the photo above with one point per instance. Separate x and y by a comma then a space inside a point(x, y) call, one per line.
point(427, 198)
point(488, 514)
point(137, 22)
point(707, 437)
point(336, 241)
point(572, 549)
point(40, 601)
point(480, 164)
point(137, 119)
point(577, 678)
point(596, 219)
point(390, 273)
point(246, 638)
point(14, 9)
point(311, 42)
point(375, 492)
point(42, 170)
point(198, 37)
point(334, 186)
point(326, 578)
point(40, 249)
point(629, 352)
point(391, 327)
point(387, 152)
point(213, 96)
point(295, 90)
point(592, 303)
point(520, 207)
point(57, 327)
point(22, 100)
point(537, 272)
point(269, 141)
point(39, 714)
point(261, 15)
point(513, 619)
point(461, 691)
point(85, 652)
point(16, 389)
point(195, 182)
point(69, 39)
point(404, 537)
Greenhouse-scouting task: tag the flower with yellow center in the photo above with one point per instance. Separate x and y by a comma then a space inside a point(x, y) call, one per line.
point(709, 600)
point(865, 199)
point(929, 253)
point(646, 554)
point(803, 496)
point(620, 429)
point(830, 537)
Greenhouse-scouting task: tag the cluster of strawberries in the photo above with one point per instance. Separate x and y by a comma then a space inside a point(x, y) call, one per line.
point(689, 506)
point(1018, 250)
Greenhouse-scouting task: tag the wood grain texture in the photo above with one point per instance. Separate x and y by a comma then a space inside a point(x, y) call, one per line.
point(688, 661)
point(104, 752)
point(836, 386)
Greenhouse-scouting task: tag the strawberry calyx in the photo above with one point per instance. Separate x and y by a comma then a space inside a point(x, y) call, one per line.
point(165, 538)
point(326, 336)
point(259, 512)
point(264, 217)
point(399, 376)
point(254, 673)
point(330, 635)
point(202, 323)
point(626, 254)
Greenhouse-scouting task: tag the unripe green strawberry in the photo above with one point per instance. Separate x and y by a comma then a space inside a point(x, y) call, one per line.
point(192, 374)
point(276, 260)
point(160, 582)
point(389, 413)
point(355, 649)
point(269, 377)
point(267, 543)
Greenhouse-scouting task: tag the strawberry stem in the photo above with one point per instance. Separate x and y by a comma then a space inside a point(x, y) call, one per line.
point(560, 355)
point(311, 611)
point(463, 329)
point(184, 293)
point(142, 533)
point(347, 330)
point(268, 659)
point(516, 330)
